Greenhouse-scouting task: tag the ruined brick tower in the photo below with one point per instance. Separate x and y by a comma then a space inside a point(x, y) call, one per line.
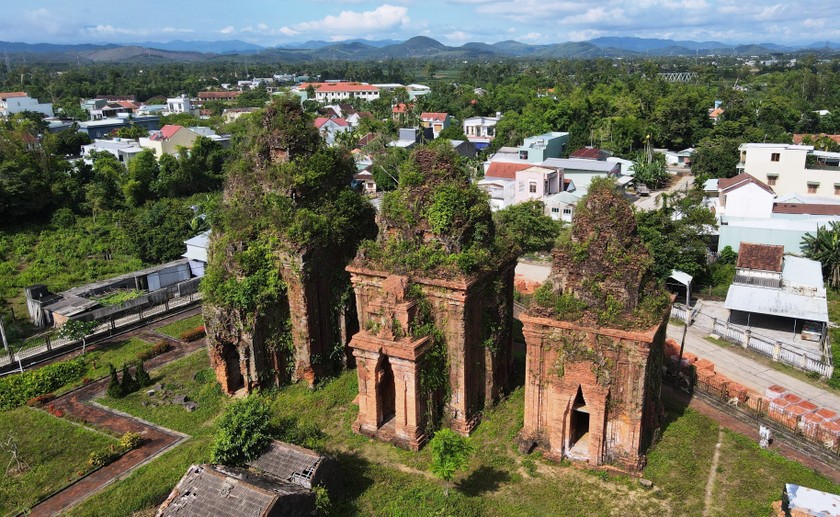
point(435, 341)
point(594, 337)
point(278, 304)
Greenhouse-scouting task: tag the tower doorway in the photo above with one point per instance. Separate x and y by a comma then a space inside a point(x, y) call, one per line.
point(386, 392)
point(579, 428)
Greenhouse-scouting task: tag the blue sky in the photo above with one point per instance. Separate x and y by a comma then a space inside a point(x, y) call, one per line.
point(453, 22)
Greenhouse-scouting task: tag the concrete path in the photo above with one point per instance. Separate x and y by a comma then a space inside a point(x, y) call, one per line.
point(649, 202)
point(747, 371)
point(79, 405)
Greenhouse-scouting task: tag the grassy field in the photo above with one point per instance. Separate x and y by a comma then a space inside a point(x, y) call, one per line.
point(384, 480)
point(175, 329)
point(834, 335)
point(55, 450)
point(116, 353)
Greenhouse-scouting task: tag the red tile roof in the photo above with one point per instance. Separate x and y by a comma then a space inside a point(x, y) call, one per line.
point(320, 121)
point(715, 113)
point(166, 132)
point(805, 208)
point(340, 87)
point(437, 117)
point(763, 257)
point(9, 95)
point(365, 140)
point(505, 170)
point(797, 138)
point(743, 179)
point(402, 108)
point(128, 104)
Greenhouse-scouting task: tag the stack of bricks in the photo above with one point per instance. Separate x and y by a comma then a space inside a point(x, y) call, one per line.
point(812, 423)
point(525, 286)
point(830, 433)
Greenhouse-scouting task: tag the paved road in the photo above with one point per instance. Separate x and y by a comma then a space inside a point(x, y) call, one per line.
point(748, 372)
point(649, 202)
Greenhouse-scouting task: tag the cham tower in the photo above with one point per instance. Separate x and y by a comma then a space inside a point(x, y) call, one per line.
point(434, 297)
point(594, 334)
point(278, 302)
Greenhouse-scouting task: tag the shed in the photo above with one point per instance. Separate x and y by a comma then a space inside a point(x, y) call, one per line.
point(293, 464)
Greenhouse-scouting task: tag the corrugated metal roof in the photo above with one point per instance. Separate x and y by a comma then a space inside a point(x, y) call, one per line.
point(681, 277)
point(800, 271)
point(580, 164)
point(776, 302)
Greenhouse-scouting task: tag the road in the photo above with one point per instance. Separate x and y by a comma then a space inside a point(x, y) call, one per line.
point(748, 372)
point(649, 202)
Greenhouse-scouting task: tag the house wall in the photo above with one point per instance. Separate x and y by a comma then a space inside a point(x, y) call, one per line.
point(733, 235)
point(546, 184)
point(14, 105)
point(791, 174)
point(748, 201)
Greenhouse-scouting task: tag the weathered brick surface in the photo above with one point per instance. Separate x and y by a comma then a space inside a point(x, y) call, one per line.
point(479, 358)
point(619, 375)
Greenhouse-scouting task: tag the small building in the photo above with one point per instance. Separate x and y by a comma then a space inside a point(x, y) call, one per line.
point(180, 104)
point(536, 183)
point(219, 491)
point(464, 148)
point(18, 102)
point(123, 149)
point(107, 126)
point(231, 114)
point(437, 121)
point(197, 253)
point(169, 139)
point(591, 153)
point(744, 196)
point(582, 172)
point(481, 130)
point(218, 96)
point(561, 206)
point(331, 127)
point(292, 464)
point(768, 282)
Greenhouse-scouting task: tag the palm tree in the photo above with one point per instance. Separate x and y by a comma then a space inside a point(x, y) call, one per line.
point(825, 248)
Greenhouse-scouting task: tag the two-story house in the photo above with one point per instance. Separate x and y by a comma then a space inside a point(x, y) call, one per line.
point(437, 121)
point(169, 139)
point(785, 168)
point(17, 102)
point(481, 130)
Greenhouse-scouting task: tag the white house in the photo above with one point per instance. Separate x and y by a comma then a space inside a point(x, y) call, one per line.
point(125, 150)
point(437, 121)
point(561, 206)
point(17, 102)
point(536, 183)
point(784, 167)
point(338, 91)
point(330, 127)
point(744, 196)
point(481, 130)
point(197, 253)
point(501, 191)
point(180, 104)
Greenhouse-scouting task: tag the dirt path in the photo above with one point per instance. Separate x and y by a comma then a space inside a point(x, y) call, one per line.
point(710, 482)
point(78, 404)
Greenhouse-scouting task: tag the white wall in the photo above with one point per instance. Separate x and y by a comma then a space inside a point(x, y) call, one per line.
point(749, 201)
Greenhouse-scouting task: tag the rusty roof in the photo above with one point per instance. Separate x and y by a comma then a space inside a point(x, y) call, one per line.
point(590, 153)
point(762, 257)
point(505, 170)
point(805, 208)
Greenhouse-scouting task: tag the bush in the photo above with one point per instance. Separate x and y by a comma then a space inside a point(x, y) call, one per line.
point(130, 441)
point(17, 388)
point(193, 335)
point(142, 376)
point(161, 347)
point(244, 432)
point(128, 384)
point(114, 387)
point(99, 459)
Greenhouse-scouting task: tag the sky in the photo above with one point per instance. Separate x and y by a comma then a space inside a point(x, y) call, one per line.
point(453, 22)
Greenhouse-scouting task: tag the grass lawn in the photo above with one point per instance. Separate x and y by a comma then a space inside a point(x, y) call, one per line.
point(116, 353)
point(176, 328)
point(383, 480)
point(834, 317)
point(55, 450)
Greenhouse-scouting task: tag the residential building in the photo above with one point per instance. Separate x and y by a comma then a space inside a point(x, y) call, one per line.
point(218, 96)
point(561, 206)
point(679, 158)
point(437, 121)
point(408, 138)
point(535, 149)
point(206, 132)
point(591, 153)
point(481, 130)
point(785, 168)
point(536, 183)
point(330, 127)
point(337, 91)
point(582, 172)
point(231, 114)
point(169, 140)
point(196, 253)
point(107, 126)
point(17, 102)
point(744, 196)
point(123, 149)
point(180, 104)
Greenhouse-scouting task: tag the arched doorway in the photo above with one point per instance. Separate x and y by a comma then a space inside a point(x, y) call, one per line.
point(233, 371)
point(579, 428)
point(386, 392)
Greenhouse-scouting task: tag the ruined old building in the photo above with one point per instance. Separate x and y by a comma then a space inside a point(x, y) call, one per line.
point(434, 307)
point(278, 305)
point(594, 337)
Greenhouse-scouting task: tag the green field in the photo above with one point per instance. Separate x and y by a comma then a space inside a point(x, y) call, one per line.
point(384, 480)
point(176, 328)
point(55, 450)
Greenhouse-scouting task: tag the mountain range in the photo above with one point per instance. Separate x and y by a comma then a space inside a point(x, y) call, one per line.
point(418, 47)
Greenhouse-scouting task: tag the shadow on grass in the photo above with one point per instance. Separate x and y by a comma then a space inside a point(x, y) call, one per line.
point(482, 480)
point(675, 403)
point(355, 480)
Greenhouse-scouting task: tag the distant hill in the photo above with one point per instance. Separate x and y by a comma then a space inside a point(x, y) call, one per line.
point(419, 47)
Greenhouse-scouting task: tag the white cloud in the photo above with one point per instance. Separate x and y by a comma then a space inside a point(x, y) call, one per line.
point(176, 30)
point(230, 29)
point(383, 19)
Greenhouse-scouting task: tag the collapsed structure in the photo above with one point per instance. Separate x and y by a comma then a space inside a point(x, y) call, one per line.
point(594, 336)
point(434, 298)
point(277, 297)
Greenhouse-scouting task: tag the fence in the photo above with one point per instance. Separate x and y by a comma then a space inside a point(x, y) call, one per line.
point(825, 440)
point(774, 349)
point(105, 328)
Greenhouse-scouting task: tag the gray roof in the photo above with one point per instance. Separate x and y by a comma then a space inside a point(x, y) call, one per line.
point(213, 490)
point(777, 302)
point(566, 198)
point(288, 462)
point(580, 164)
point(799, 271)
point(681, 277)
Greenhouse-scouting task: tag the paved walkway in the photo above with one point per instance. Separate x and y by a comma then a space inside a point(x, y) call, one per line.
point(156, 440)
point(747, 371)
point(649, 202)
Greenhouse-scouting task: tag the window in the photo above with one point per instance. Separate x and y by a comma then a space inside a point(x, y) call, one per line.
point(771, 180)
point(555, 210)
point(567, 211)
point(532, 187)
point(837, 189)
point(812, 187)
point(774, 157)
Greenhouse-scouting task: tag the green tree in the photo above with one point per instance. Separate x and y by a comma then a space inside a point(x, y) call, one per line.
point(525, 228)
point(157, 230)
point(77, 329)
point(824, 247)
point(450, 453)
point(132, 132)
point(715, 158)
point(386, 167)
point(453, 132)
point(114, 386)
point(244, 432)
point(143, 171)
